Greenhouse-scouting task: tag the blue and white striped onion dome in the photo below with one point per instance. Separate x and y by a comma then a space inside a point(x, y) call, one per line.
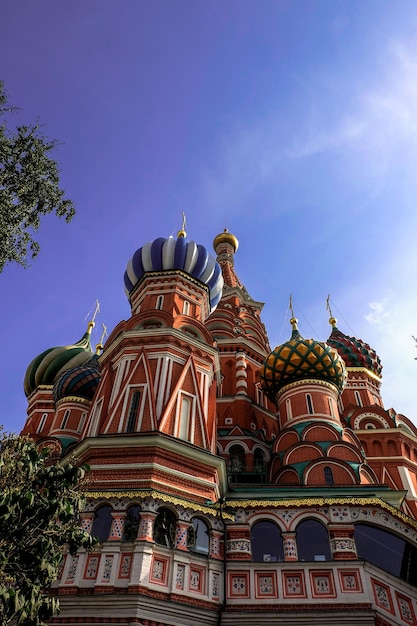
point(176, 254)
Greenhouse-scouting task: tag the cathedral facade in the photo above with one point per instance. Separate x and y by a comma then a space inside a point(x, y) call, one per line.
point(230, 483)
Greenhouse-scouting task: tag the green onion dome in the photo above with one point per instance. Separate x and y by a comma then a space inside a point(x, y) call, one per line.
point(46, 368)
point(299, 359)
point(355, 352)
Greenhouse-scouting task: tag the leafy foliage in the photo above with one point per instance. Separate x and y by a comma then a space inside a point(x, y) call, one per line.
point(29, 188)
point(39, 506)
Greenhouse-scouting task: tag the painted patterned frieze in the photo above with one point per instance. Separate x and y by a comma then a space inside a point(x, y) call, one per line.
point(91, 568)
point(116, 530)
point(145, 532)
point(216, 544)
point(385, 519)
point(125, 565)
point(238, 546)
point(405, 608)
point(72, 569)
point(181, 535)
point(266, 585)
point(215, 585)
point(107, 568)
point(87, 521)
point(180, 577)
point(290, 546)
point(340, 514)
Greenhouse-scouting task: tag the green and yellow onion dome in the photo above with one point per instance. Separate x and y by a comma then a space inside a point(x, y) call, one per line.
point(46, 368)
point(79, 382)
point(354, 352)
point(301, 358)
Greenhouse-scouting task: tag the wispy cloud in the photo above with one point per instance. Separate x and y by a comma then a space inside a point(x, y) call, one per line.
point(370, 124)
point(378, 312)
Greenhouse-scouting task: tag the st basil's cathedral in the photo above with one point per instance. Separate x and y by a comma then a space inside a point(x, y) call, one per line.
point(230, 483)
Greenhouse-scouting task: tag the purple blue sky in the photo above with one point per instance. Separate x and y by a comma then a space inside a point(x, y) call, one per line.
point(294, 122)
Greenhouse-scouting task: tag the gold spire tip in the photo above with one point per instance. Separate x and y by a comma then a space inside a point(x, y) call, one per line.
point(181, 232)
point(332, 320)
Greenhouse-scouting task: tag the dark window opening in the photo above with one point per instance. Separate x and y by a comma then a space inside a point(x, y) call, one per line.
point(102, 523)
point(131, 526)
point(266, 542)
point(133, 412)
point(65, 420)
point(328, 476)
point(165, 528)
point(387, 551)
point(313, 541)
point(309, 404)
point(198, 537)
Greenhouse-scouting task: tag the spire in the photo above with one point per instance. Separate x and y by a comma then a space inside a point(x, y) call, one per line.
point(332, 320)
point(225, 246)
point(181, 232)
point(294, 322)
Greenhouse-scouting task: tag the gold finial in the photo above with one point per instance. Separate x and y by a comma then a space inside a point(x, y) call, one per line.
point(293, 320)
point(99, 346)
point(182, 233)
point(226, 237)
point(332, 320)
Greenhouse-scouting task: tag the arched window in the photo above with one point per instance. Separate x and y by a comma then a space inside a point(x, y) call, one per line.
point(266, 542)
point(331, 409)
point(289, 409)
point(309, 404)
point(259, 461)
point(133, 412)
point(387, 551)
point(198, 536)
point(131, 527)
point(102, 523)
point(81, 422)
point(164, 532)
point(42, 422)
point(159, 302)
point(65, 419)
point(236, 460)
point(313, 541)
point(184, 417)
point(358, 398)
point(186, 308)
point(328, 476)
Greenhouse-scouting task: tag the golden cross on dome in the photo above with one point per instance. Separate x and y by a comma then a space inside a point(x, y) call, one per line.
point(99, 346)
point(103, 334)
point(96, 310)
point(92, 323)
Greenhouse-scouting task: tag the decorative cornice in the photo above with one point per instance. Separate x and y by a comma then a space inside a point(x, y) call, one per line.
point(308, 381)
point(158, 495)
point(310, 502)
point(161, 441)
point(74, 399)
point(366, 371)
